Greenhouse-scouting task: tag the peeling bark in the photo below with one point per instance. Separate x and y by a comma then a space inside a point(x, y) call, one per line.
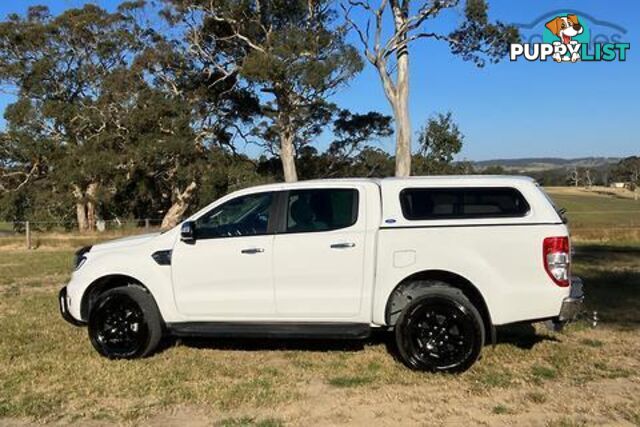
point(401, 104)
point(91, 192)
point(287, 157)
point(81, 210)
point(86, 207)
point(179, 206)
point(403, 123)
point(81, 216)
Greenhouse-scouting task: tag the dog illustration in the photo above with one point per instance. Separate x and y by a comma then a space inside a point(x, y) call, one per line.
point(565, 28)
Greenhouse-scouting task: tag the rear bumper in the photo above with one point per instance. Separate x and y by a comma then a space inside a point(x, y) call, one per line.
point(572, 305)
point(63, 304)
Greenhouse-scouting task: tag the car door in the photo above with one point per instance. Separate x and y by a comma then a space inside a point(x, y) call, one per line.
point(227, 270)
point(319, 254)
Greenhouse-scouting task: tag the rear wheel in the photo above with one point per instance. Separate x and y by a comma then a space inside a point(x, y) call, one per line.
point(440, 331)
point(125, 323)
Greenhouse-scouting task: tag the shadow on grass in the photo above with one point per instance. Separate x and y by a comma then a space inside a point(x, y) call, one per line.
point(519, 335)
point(275, 344)
point(319, 345)
point(611, 276)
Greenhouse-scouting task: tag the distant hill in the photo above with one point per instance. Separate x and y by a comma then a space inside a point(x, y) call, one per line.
point(539, 164)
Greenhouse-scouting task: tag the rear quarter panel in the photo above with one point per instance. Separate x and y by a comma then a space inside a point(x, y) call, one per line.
point(501, 257)
point(503, 262)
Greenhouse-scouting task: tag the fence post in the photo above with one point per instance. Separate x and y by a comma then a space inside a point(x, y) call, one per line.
point(146, 223)
point(28, 234)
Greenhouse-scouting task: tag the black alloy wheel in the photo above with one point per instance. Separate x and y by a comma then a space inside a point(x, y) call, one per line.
point(440, 332)
point(124, 324)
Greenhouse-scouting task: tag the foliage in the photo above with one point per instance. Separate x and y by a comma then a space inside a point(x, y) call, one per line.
point(628, 171)
point(438, 142)
point(110, 115)
point(288, 51)
point(118, 116)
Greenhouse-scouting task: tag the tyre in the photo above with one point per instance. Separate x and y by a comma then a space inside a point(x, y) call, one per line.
point(125, 323)
point(439, 331)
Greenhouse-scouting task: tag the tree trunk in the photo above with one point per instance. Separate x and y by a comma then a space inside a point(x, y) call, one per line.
point(287, 156)
point(398, 93)
point(179, 206)
point(92, 190)
point(401, 113)
point(81, 210)
point(86, 207)
point(81, 216)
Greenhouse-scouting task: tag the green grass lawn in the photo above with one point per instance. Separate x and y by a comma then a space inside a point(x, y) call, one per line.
point(49, 371)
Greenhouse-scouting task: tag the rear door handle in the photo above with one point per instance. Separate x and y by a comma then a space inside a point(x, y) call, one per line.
point(342, 245)
point(252, 251)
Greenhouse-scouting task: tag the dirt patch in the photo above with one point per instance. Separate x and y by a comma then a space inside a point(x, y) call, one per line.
point(604, 402)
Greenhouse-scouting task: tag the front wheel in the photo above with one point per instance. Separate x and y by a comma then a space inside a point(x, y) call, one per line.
point(125, 323)
point(440, 331)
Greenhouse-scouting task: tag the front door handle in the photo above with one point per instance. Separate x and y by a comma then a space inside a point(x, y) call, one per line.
point(252, 251)
point(342, 245)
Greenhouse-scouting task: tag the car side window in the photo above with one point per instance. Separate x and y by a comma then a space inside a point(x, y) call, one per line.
point(243, 216)
point(462, 203)
point(321, 209)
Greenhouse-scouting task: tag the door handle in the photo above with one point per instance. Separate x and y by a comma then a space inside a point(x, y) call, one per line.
point(342, 245)
point(252, 251)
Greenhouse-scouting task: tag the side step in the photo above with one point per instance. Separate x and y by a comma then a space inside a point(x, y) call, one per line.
point(270, 330)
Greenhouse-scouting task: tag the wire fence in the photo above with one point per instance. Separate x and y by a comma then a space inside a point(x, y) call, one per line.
point(577, 218)
point(32, 234)
point(589, 225)
point(62, 226)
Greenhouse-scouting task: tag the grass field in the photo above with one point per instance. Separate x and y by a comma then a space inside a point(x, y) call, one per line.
point(600, 214)
point(582, 376)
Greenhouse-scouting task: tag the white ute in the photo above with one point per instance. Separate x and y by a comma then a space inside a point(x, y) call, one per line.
point(440, 261)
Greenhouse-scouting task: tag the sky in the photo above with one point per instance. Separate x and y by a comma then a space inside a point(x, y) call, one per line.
point(509, 109)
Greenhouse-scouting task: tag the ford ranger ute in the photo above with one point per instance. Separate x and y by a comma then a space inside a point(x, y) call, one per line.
point(438, 261)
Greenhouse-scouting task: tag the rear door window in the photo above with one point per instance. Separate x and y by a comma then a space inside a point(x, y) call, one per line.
point(460, 203)
point(321, 209)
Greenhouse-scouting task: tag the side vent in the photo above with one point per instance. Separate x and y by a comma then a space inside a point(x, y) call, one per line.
point(162, 257)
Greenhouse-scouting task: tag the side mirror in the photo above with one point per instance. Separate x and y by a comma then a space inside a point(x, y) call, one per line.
point(188, 232)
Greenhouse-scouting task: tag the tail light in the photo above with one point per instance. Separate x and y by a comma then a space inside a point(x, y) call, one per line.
point(557, 259)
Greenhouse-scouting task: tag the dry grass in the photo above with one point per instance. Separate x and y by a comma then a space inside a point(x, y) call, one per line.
point(623, 193)
point(65, 240)
point(49, 372)
point(583, 376)
point(600, 214)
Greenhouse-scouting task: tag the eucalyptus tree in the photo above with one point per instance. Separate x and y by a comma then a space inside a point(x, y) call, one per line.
point(387, 28)
point(66, 70)
point(290, 51)
point(628, 170)
point(204, 111)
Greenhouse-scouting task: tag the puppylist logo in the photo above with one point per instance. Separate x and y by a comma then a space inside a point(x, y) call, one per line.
point(570, 36)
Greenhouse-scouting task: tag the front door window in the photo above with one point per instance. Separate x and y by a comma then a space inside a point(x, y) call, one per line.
point(242, 216)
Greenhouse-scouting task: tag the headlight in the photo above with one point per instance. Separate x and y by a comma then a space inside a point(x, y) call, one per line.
point(80, 258)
